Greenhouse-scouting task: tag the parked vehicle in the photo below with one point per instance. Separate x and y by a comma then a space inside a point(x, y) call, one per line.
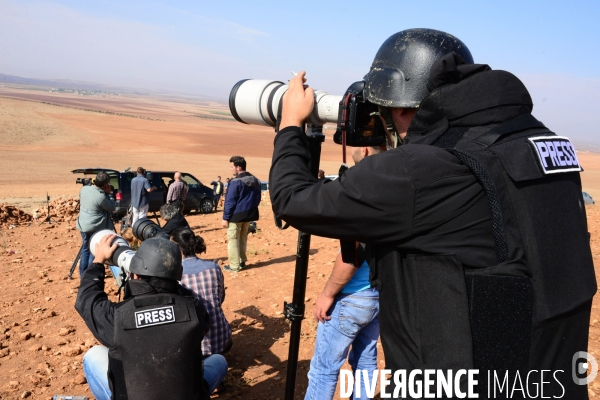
point(199, 198)
point(587, 199)
point(264, 186)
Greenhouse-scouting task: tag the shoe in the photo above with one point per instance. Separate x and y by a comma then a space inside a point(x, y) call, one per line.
point(242, 265)
point(229, 269)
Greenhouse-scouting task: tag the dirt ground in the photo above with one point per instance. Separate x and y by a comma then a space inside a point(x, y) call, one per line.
point(42, 339)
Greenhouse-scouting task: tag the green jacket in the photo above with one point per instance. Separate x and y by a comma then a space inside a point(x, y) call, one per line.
point(95, 207)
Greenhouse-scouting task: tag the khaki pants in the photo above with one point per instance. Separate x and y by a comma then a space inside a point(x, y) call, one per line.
point(237, 233)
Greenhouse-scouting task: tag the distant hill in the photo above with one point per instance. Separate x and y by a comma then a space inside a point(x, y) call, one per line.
point(55, 83)
point(81, 85)
point(592, 148)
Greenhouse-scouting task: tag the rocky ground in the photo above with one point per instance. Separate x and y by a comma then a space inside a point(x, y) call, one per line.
point(42, 339)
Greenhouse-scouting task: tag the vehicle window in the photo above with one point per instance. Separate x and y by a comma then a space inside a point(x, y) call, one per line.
point(157, 181)
point(192, 183)
point(114, 181)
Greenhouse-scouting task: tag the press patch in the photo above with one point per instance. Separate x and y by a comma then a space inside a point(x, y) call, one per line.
point(155, 316)
point(556, 154)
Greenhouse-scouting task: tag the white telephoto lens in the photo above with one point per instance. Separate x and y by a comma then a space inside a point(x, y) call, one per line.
point(256, 102)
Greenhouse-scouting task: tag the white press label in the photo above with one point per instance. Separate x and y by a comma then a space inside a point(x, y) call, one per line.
point(556, 154)
point(155, 316)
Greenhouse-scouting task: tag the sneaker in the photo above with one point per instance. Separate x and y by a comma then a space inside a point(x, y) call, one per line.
point(229, 269)
point(242, 265)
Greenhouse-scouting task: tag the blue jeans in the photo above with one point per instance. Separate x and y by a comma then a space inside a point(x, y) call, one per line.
point(354, 322)
point(95, 368)
point(86, 255)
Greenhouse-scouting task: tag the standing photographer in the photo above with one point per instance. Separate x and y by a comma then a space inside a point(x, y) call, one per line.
point(151, 342)
point(95, 205)
point(140, 187)
point(478, 236)
point(217, 191)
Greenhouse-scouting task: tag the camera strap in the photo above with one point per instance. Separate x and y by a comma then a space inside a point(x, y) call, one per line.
point(344, 123)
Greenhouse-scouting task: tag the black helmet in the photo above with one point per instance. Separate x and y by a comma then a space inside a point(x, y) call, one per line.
point(157, 257)
point(400, 70)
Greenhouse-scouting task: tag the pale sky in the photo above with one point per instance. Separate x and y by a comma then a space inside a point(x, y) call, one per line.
point(204, 48)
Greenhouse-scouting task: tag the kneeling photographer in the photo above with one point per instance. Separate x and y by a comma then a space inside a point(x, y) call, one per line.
point(152, 340)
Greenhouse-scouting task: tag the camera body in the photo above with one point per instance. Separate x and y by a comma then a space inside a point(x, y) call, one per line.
point(84, 181)
point(359, 123)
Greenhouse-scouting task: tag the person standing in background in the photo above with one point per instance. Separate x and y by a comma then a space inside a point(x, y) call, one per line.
point(95, 205)
point(140, 187)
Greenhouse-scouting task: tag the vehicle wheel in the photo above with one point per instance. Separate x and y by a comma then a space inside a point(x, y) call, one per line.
point(206, 206)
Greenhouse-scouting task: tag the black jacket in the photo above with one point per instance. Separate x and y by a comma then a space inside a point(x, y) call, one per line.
point(98, 312)
point(427, 219)
point(178, 221)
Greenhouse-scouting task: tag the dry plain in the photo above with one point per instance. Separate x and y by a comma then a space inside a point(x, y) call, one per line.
point(46, 135)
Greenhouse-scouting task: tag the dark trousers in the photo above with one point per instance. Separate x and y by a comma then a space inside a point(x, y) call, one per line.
point(86, 255)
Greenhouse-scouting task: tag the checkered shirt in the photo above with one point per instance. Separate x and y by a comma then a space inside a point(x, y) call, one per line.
point(205, 279)
point(177, 190)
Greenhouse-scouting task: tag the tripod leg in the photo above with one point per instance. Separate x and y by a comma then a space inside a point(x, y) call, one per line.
point(295, 311)
point(70, 276)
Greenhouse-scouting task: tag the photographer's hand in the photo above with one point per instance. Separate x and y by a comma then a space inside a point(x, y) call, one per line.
point(104, 250)
point(298, 102)
point(324, 303)
point(340, 276)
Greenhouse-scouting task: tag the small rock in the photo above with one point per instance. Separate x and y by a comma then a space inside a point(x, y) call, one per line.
point(25, 335)
point(35, 347)
point(13, 384)
point(43, 365)
point(64, 331)
point(25, 394)
point(72, 351)
point(79, 379)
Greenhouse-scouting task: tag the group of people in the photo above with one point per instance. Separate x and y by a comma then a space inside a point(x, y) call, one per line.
point(240, 208)
point(171, 317)
point(470, 248)
point(157, 269)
